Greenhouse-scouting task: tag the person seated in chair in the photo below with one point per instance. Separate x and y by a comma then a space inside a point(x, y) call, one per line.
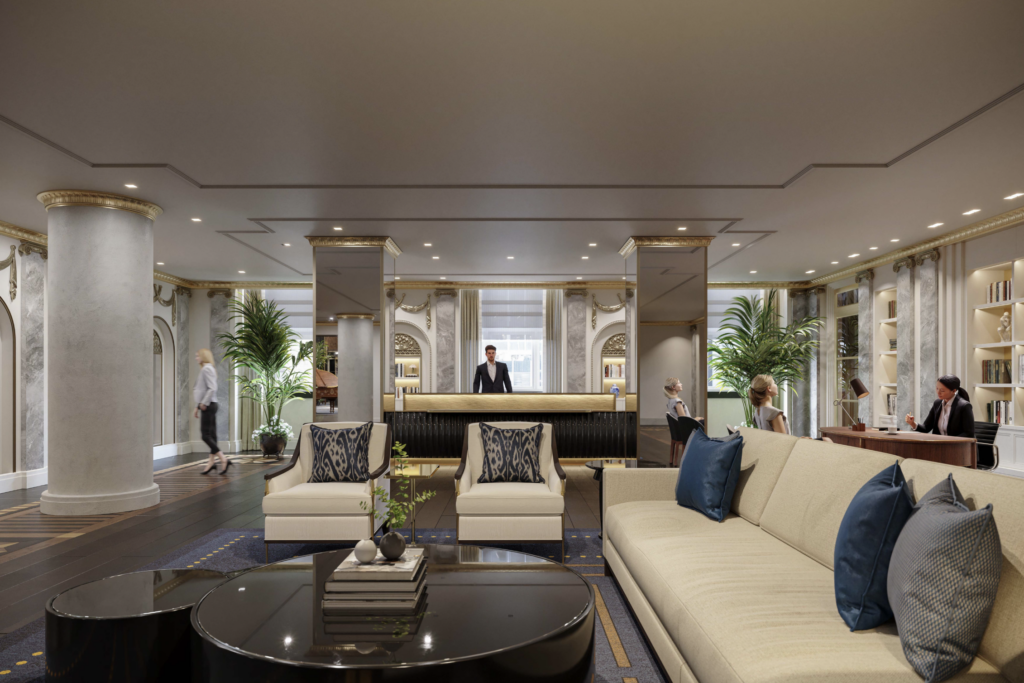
point(951, 414)
point(492, 377)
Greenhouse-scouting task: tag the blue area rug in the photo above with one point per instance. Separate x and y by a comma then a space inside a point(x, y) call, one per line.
point(621, 651)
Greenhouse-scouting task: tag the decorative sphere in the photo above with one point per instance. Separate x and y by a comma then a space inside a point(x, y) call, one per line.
point(365, 551)
point(392, 545)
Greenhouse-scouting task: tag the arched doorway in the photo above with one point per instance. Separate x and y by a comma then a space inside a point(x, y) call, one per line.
point(163, 383)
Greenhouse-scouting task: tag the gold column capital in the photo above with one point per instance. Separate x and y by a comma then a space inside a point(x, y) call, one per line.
point(54, 198)
point(354, 316)
point(226, 293)
point(26, 248)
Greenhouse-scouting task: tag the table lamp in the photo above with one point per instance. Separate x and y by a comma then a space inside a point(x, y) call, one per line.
point(860, 391)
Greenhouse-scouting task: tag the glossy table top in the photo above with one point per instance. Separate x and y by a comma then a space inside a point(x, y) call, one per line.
point(479, 601)
point(137, 594)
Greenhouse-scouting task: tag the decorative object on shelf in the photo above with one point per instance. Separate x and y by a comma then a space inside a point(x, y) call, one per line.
point(752, 342)
point(1020, 360)
point(366, 550)
point(892, 344)
point(860, 391)
point(400, 504)
point(1005, 333)
point(273, 436)
point(606, 309)
point(262, 343)
point(890, 402)
point(392, 545)
point(615, 390)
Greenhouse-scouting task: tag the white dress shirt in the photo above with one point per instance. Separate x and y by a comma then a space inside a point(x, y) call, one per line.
point(492, 370)
point(944, 417)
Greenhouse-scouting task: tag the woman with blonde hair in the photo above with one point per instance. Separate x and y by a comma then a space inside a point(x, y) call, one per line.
point(205, 395)
point(675, 404)
point(766, 416)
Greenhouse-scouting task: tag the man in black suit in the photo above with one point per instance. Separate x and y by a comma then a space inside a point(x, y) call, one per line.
point(492, 375)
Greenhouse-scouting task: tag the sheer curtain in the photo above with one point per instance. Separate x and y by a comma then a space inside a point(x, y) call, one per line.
point(469, 306)
point(552, 341)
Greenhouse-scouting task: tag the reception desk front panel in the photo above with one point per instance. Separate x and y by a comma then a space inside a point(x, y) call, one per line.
point(586, 426)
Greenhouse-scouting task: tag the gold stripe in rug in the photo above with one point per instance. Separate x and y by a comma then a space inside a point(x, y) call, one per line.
point(621, 660)
point(630, 680)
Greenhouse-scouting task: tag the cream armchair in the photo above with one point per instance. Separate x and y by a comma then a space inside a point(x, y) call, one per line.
point(509, 512)
point(299, 512)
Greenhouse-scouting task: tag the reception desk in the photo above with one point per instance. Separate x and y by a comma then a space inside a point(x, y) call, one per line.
point(949, 450)
point(586, 426)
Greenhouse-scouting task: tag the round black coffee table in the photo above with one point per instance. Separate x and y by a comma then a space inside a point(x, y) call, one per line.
point(132, 627)
point(489, 615)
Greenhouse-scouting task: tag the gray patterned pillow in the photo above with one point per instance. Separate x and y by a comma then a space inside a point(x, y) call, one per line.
point(340, 454)
point(511, 455)
point(942, 581)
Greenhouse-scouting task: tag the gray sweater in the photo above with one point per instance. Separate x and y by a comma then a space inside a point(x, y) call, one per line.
point(205, 390)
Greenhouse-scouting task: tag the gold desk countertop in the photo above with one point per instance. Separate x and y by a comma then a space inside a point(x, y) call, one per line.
point(468, 403)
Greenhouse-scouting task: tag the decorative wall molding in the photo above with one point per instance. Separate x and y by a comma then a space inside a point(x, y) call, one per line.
point(473, 284)
point(930, 255)
point(406, 345)
point(760, 284)
point(453, 293)
point(354, 316)
point(865, 275)
point(11, 230)
point(386, 243)
point(182, 291)
point(10, 261)
point(26, 248)
point(171, 301)
point(227, 284)
point(906, 262)
point(576, 292)
point(415, 309)
point(158, 348)
point(607, 309)
point(54, 198)
point(615, 346)
point(634, 243)
point(671, 323)
point(226, 293)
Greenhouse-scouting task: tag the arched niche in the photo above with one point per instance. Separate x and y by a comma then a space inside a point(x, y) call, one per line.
point(419, 336)
point(164, 385)
point(603, 341)
point(8, 387)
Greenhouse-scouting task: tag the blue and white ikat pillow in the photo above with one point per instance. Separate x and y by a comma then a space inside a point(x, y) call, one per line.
point(511, 455)
point(340, 454)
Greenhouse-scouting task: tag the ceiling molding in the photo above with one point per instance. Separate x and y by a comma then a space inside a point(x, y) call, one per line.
point(760, 284)
point(11, 230)
point(634, 243)
point(221, 284)
point(670, 323)
point(468, 284)
point(105, 200)
point(386, 243)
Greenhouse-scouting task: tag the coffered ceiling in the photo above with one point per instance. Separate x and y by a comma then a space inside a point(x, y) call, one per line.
point(802, 131)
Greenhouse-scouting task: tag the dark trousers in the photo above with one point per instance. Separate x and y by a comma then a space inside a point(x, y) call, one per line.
point(208, 427)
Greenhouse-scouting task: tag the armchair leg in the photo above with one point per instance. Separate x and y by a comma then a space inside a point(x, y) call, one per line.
point(266, 552)
point(607, 569)
point(563, 549)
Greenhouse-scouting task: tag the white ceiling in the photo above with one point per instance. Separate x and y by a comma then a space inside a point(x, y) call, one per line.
point(526, 129)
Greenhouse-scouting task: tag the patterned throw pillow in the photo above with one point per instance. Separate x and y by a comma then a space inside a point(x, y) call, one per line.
point(340, 454)
point(511, 455)
point(943, 578)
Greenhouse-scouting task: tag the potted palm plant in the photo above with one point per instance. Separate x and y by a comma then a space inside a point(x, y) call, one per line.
point(262, 344)
point(752, 341)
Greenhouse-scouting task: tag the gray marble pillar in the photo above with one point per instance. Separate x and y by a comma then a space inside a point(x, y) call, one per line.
point(182, 365)
point(33, 356)
point(99, 353)
point(355, 367)
point(576, 340)
point(389, 340)
point(446, 346)
point(805, 391)
point(928, 300)
point(630, 345)
point(865, 343)
point(221, 323)
point(906, 399)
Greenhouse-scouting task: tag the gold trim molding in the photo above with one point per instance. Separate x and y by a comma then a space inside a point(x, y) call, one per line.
point(386, 242)
point(472, 284)
point(446, 403)
point(26, 248)
point(760, 284)
point(13, 263)
point(226, 293)
point(105, 200)
point(353, 316)
point(670, 323)
point(634, 243)
point(11, 230)
point(244, 284)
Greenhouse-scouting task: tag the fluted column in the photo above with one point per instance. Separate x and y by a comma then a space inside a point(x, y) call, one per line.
point(100, 353)
point(928, 300)
point(355, 367)
point(446, 345)
point(182, 364)
point(865, 343)
point(576, 340)
point(905, 390)
point(33, 355)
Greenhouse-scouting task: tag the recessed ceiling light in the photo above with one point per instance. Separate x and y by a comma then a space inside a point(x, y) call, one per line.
point(510, 258)
point(427, 244)
point(135, 187)
point(935, 225)
point(593, 244)
point(443, 277)
point(584, 257)
point(436, 257)
point(681, 227)
point(809, 272)
point(331, 318)
point(159, 263)
point(286, 244)
point(338, 227)
point(968, 213)
point(623, 277)
point(735, 244)
point(872, 248)
point(854, 255)
point(752, 272)
point(896, 239)
point(398, 277)
point(242, 272)
point(1012, 196)
point(835, 263)
point(197, 220)
point(579, 277)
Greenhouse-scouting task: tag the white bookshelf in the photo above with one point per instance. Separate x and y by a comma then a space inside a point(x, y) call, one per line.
point(885, 363)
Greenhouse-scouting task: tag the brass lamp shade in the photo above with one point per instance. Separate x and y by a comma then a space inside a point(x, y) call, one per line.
point(858, 388)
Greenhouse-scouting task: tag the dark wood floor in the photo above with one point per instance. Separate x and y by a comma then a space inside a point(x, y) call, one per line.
point(41, 556)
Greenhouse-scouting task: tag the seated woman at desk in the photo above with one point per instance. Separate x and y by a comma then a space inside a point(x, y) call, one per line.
point(951, 414)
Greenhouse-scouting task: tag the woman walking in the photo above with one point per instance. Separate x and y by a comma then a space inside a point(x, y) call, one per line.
point(205, 395)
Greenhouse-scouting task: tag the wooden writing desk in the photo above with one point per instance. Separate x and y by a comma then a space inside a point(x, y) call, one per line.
point(949, 450)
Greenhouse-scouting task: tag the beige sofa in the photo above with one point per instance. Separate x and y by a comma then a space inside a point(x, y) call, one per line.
point(751, 599)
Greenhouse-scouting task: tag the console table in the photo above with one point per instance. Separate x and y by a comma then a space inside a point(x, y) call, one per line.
point(949, 450)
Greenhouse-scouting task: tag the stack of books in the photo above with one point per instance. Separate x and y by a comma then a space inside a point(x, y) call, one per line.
point(377, 588)
point(892, 309)
point(996, 371)
point(999, 291)
point(1000, 412)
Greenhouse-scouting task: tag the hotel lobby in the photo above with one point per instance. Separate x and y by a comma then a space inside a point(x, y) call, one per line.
point(593, 342)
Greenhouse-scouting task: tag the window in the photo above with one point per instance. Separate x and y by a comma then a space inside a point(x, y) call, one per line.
point(513, 321)
point(847, 352)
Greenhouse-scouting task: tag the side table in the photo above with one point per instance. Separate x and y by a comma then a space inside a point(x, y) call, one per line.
point(413, 472)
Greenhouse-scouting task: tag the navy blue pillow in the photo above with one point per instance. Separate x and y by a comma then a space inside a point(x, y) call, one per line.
point(709, 473)
point(864, 546)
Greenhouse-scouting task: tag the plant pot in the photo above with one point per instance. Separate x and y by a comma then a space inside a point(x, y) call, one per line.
point(392, 545)
point(272, 445)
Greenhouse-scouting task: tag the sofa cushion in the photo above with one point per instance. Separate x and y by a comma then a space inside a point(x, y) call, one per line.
point(329, 498)
point(743, 607)
point(509, 498)
point(813, 492)
point(340, 455)
point(764, 456)
point(943, 581)
point(864, 546)
point(708, 474)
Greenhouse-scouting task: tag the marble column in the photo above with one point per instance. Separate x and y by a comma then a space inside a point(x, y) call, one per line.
point(446, 346)
point(865, 343)
point(33, 356)
point(630, 341)
point(389, 340)
point(805, 391)
point(576, 341)
point(100, 353)
point(221, 323)
point(928, 299)
point(182, 365)
point(906, 400)
point(355, 367)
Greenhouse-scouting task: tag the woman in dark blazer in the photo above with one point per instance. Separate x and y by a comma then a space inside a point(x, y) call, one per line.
point(951, 414)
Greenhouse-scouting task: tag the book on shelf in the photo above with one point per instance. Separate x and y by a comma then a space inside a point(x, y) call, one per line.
point(997, 292)
point(998, 371)
point(1000, 412)
point(1020, 360)
point(892, 309)
point(892, 344)
point(380, 569)
point(890, 402)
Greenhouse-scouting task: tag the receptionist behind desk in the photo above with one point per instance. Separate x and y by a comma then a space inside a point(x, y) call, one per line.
point(492, 376)
point(951, 414)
